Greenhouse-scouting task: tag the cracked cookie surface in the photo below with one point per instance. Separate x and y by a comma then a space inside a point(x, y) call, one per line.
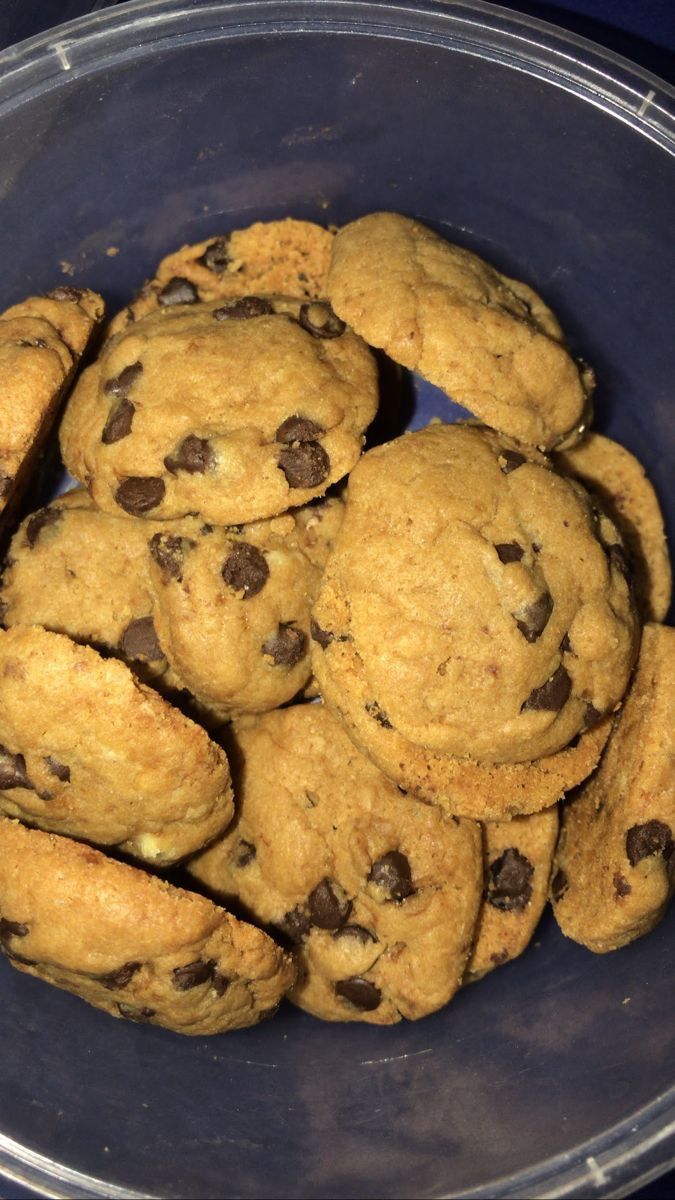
point(129, 943)
point(379, 893)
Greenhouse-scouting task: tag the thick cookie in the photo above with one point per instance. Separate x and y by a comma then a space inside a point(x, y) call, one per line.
point(87, 750)
point(615, 864)
point(473, 605)
point(379, 893)
point(41, 342)
point(287, 257)
point(488, 341)
point(517, 858)
point(619, 480)
point(237, 413)
point(129, 943)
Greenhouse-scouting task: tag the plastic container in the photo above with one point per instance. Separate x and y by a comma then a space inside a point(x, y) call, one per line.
point(122, 135)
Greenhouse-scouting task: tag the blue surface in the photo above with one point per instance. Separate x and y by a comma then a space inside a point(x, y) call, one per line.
point(550, 1051)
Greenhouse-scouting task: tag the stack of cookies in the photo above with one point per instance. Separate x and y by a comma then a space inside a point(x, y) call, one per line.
point(385, 704)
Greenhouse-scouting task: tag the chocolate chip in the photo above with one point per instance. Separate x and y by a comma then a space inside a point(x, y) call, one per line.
point(244, 309)
point(139, 640)
point(13, 771)
point(323, 636)
point(298, 429)
point(121, 385)
point(178, 291)
point(391, 873)
point(244, 854)
point(116, 980)
point(194, 455)
point(305, 465)
point(65, 292)
point(118, 425)
point(318, 318)
point(551, 696)
point(216, 257)
point(220, 983)
point(642, 841)
point(359, 932)
point(559, 884)
point(58, 769)
point(245, 569)
point(360, 992)
point(592, 716)
point(192, 974)
point(39, 521)
point(5, 484)
point(373, 709)
point(168, 552)
point(534, 618)
point(512, 460)
point(287, 646)
point(509, 552)
point(328, 910)
point(509, 881)
point(295, 924)
point(138, 495)
point(135, 1014)
point(621, 885)
point(10, 929)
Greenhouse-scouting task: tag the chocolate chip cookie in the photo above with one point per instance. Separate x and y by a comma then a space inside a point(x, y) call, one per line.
point(615, 865)
point(379, 893)
point(236, 412)
point(619, 480)
point(129, 943)
point(472, 607)
point(436, 308)
point(87, 750)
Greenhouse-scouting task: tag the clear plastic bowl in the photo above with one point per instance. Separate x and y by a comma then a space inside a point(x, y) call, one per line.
point(128, 132)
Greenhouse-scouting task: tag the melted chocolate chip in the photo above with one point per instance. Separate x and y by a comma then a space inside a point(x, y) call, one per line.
point(373, 709)
point(305, 465)
point(5, 484)
point(138, 495)
point(244, 309)
point(193, 974)
point(13, 771)
point(535, 617)
point(244, 854)
point(509, 552)
point(298, 429)
point(324, 637)
point(287, 646)
point(122, 384)
point(621, 885)
point(220, 983)
point(512, 460)
point(116, 980)
point(551, 696)
point(559, 884)
point(295, 924)
point(178, 291)
point(318, 318)
point(327, 910)
point(592, 716)
point(194, 455)
point(65, 292)
point(118, 425)
point(360, 992)
point(359, 932)
point(509, 881)
point(168, 552)
point(58, 769)
point(10, 929)
point(245, 569)
point(642, 841)
point(135, 1014)
point(139, 640)
point(391, 873)
point(40, 520)
point(216, 257)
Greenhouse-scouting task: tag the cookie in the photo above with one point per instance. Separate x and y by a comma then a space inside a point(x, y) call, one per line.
point(86, 750)
point(619, 480)
point(236, 413)
point(41, 342)
point(473, 606)
point(488, 341)
point(286, 257)
point(129, 943)
point(615, 865)
point(517, 857)
point(380, 894)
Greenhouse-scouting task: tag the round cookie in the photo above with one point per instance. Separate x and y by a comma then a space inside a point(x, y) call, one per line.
point(379, 893)
point(87, 750)
point(286, 257)
point(237, 413)
point(615, 864)
point(517, 858)
point(473, 604)
point(619, 480)
point(438, 309)
point(128, 942)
